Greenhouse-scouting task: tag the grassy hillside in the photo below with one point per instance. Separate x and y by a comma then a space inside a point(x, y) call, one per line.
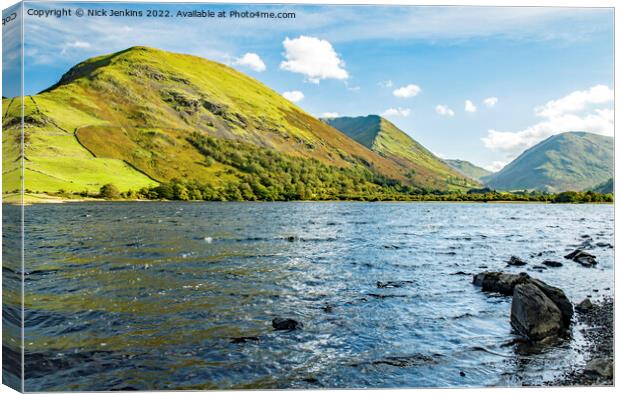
point(468, 169)
point(383, 137)
point(125, 118)
point(568, 161)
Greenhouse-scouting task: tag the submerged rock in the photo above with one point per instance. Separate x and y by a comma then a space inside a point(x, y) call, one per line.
point(243, 339)
point(515, 261)
point(581, 257)
point(533, 314)
point(551, 263)
point(280, 323)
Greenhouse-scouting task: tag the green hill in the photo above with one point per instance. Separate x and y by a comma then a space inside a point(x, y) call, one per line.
point(383, 137)
point(142, 116)
point(567, 161)
point(468, 169)
point(605, 187)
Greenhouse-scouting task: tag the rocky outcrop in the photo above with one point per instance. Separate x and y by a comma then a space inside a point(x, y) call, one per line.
point(499, 282)
point(538, 309)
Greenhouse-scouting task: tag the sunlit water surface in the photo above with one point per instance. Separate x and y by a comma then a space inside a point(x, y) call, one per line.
point(151, 295)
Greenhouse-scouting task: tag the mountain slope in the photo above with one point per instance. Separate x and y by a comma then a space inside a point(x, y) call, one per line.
point(383, 137)
point(126, 118)
point(605, 187)
point(567, 161)
point(468, 169)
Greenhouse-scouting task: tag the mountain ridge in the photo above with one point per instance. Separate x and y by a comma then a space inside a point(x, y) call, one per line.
point(574, 160)
point(382, 136)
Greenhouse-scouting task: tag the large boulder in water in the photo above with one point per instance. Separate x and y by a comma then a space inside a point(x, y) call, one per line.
point(558, 297)
point(530, 311)
point(533, 314)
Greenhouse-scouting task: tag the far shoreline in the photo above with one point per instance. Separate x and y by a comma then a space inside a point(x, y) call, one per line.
point(42, 199)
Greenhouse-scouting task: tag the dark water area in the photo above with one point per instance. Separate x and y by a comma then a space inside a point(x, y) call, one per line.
point(123, 296)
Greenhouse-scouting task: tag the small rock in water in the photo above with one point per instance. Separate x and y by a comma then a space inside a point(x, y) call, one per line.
point(584, 305)
point(581, 257)
point(604, 245)
point(291, 238)
point(600, 366)
point(280, 323)
point(551, 263)
point(243, 339)
point(462, 373)
point(208, 240)
point(515, 261)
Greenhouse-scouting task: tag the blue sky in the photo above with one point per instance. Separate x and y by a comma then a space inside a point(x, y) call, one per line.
point(541, 70)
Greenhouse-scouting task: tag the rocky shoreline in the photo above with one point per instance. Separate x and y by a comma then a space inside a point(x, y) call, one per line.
point(596, 322)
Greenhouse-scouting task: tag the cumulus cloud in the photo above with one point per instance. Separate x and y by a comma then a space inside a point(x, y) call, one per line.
point(314, 58)
point(565, 114)
point(576, 101)
point(490, 101)
point(469, 106)
point(293, 96)
point(397, 112)
point(407, 91)
point(329, 115)
point(443, 110)
point(251, 60)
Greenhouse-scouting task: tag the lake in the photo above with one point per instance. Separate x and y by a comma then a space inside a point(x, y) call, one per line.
point(151, 295)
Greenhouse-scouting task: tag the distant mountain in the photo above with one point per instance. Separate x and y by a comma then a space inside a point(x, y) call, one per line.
point(384, 138)
point(567, 161)
point(142, 117)
point(468, 169)
point(605, 187)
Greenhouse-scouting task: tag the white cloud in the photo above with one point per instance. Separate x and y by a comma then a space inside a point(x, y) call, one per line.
point(407, 91)
point(576, 101)
point(329, 115)
point(314, 58)
point(251, 60)
point(386, 84)
point(397, 112)
point(293, 96)
point(78, 44)
point(444, 110)
point(559, 117)
point(469, 106)
point(490, 101)
point(495, 166)
point(75, 45)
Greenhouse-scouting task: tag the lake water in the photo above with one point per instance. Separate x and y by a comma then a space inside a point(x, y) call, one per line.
point(151, 295)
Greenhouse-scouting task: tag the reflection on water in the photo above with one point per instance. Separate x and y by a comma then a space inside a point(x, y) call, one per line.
point(157, 295)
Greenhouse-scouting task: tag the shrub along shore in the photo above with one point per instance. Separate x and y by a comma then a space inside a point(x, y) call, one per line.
point(178, 190)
